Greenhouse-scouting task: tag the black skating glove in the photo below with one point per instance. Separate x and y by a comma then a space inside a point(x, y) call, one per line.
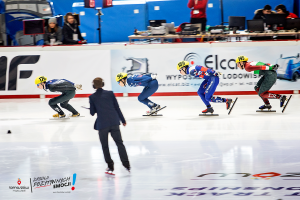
point(275, 67)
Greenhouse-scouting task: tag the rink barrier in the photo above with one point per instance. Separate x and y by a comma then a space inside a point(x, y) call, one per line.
point(37, 96)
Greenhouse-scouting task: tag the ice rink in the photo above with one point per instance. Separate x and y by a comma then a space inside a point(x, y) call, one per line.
point(177, 156)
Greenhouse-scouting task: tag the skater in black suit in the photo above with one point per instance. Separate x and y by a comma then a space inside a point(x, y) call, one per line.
point(109, 115)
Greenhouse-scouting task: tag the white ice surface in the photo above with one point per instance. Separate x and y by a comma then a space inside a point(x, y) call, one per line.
point(165, 152)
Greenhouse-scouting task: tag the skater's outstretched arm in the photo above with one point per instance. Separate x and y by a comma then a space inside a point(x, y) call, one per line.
point(253, 66)
point(116, 105)
point(92, 107)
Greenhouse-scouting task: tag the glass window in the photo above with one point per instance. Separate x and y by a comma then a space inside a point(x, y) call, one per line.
point(11, 7)
point(31, 7)
point(44, 9)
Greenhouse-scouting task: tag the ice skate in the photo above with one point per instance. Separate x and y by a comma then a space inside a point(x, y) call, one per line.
point(128, 169)
point(264, 107)
point(59, 117)
point(282, 100)
point(77, 115)
point(230, 109)
point(109, 171)
point(208, 112)
point(154, 110)
point(285, 105)
point(228, 103)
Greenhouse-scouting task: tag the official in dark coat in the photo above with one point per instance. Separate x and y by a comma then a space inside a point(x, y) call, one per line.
point(109, 116)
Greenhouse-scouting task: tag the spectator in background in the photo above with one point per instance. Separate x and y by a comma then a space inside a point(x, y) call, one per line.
point(71, 31)
point(281, 9)
point(53, 33)
point(198, 13)
point(260, 13)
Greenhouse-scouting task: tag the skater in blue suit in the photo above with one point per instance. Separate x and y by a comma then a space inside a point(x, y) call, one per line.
point(150, 87)
point(208, 86)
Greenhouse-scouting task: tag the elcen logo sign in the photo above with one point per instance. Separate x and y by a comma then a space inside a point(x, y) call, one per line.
point(13, 70)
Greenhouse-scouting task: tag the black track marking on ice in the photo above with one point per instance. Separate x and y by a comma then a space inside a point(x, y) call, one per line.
point(286, 103)
point(230, 109)
point(85, 107)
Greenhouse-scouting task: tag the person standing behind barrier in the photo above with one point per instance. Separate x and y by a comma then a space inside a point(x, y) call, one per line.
point(198, 13)
point(109, 115)
point(71, 32)
point(53, 33)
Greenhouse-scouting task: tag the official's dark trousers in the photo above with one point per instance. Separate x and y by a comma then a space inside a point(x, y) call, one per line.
point(116, 135)
point(199, 21)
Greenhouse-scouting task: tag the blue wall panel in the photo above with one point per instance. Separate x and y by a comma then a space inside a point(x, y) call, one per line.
point(178, 12)
point(172, 11)
point(119, 21)
point(214, 14)
point(62, 6)
point(89, 23)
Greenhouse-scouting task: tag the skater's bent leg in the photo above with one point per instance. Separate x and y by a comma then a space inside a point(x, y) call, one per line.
point(201, 93)
point(53, 104)
point(69, 95)
point(116, 135)
point(147, 92)
point(211, 88)
point(269, 80)
point(103, 135)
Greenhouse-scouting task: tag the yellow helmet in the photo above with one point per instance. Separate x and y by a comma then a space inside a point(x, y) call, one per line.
point(241, 58)
point(40, 79)
point(120, 76)
point(182, 64)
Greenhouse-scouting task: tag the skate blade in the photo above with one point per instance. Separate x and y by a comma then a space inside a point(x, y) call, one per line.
point(230, 109)
point(208, 114)
point(85, 107)
point(65, 118)
point(265, 110)
point(109, 173)
point(70, 116)
point(284, 107)
point(152, 115)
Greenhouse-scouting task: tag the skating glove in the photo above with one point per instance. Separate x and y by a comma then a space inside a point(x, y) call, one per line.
point(153, 76)
point(78, 86)
point(275, 67)
point(217, 73)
